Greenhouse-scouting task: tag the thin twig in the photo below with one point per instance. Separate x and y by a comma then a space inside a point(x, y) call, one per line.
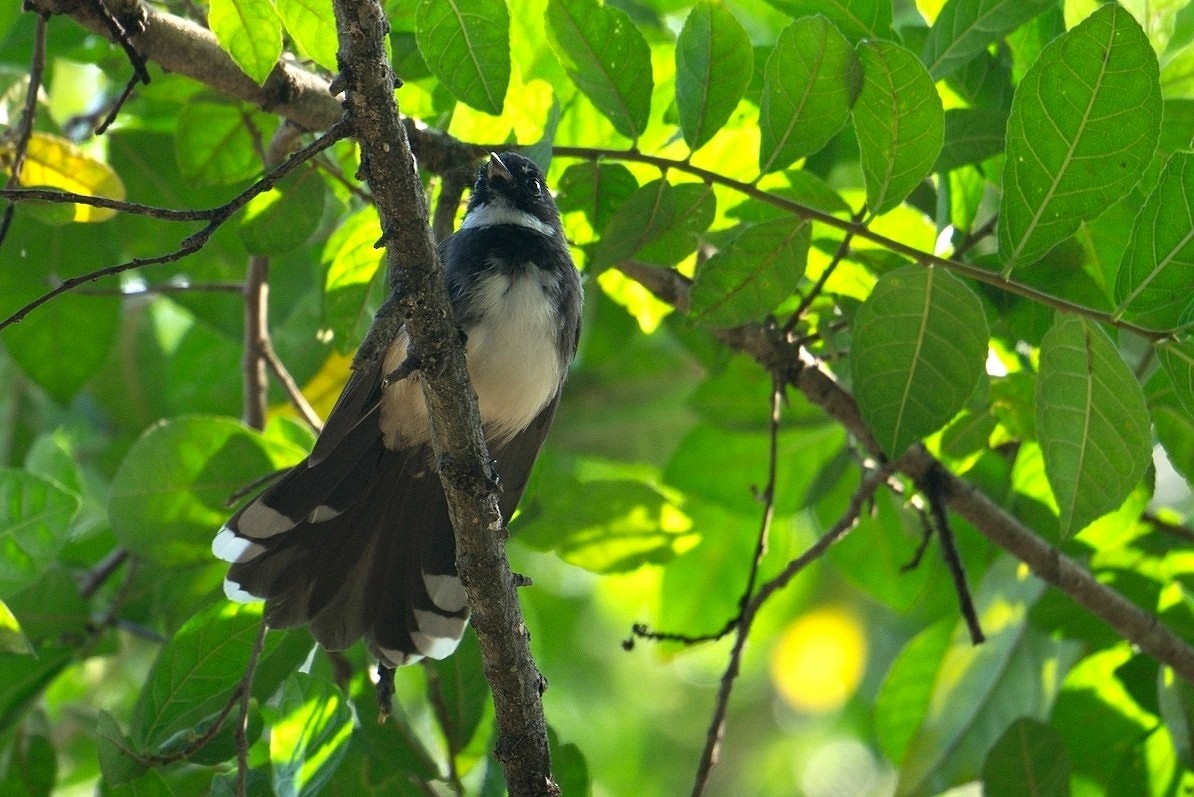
point(717, 723)
point(932, 484)
point(245, 693)
point(103, 571)
point(969, 270)
point(843, 249)
point(197, 240)
point(56, 195)
point(121, 36)
point(291, 388)
point(28, 112)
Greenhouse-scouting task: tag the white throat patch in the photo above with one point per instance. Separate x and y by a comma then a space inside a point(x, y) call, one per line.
point(498, 212)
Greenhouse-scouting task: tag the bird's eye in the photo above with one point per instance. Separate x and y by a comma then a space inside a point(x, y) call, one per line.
point(536, 187)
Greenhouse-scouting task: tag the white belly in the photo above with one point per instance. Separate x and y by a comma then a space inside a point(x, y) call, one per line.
point(512, 362)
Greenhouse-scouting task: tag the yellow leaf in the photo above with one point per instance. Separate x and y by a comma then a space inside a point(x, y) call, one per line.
point(57, 163)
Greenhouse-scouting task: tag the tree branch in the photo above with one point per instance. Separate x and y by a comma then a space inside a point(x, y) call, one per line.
point(774, 350)
point(420, 302)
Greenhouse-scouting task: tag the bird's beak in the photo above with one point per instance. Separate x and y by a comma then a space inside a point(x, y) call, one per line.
point(497, 169)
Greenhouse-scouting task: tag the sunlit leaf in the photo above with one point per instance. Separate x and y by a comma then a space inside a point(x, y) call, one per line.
point(919, 345)
point(1083, 126)
point(466, 43)
point(249, 31)
point(1155, 283)
point(312, 26)
point(809, 84)
point(54, 162)
point(12, 638)
point(309, 740)
point(752, 275)
point(606, 56)
point(1091, 422)
point(899, 122)
point(624, 523)
point(353, 267)
point(713, 68)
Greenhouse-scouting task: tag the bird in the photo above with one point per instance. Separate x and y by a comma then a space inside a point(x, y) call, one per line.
point(355, 540)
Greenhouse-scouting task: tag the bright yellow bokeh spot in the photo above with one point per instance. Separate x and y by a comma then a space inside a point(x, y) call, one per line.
point(819, 660)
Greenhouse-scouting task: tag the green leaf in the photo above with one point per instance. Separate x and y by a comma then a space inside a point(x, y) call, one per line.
point(977, 691)
point(354, 266)
point(1175, 698)
point(714, 63)
point(569, 766)
point(24, 679)
point(899, 122)
point(918, 352)
point(464, 692)
point(52, 608)
point(30, 763)
point(196, 673)
point(971, 136)
point(283, 218)
point(170, 494)
point(756, 271)
point(116, 762)
point(625, 521)
point(606, 57)
point(214, 142)
point(1177, 358)
point(1174, 423)
point(1091, 422)
point(1155, 282)
point(857, 19)
point(312, 26)
point(249, 31)
point(965, 28)
point(694, 206)
point(85, 326)
point(35, 522)
point(809, 84)
point(466, 44)
point(642, 218)
point(1084, 123)
point(596, 190)
point(903, 701)
point(1030, 757)
point(310, 738)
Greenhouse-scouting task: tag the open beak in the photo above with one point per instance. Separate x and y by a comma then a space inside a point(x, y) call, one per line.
point(497, 169)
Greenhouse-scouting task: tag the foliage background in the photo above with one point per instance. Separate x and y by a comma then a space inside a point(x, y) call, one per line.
point(121, 442)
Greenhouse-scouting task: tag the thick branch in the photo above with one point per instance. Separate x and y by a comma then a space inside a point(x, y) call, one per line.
point(421, 302)
point(765, 345)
